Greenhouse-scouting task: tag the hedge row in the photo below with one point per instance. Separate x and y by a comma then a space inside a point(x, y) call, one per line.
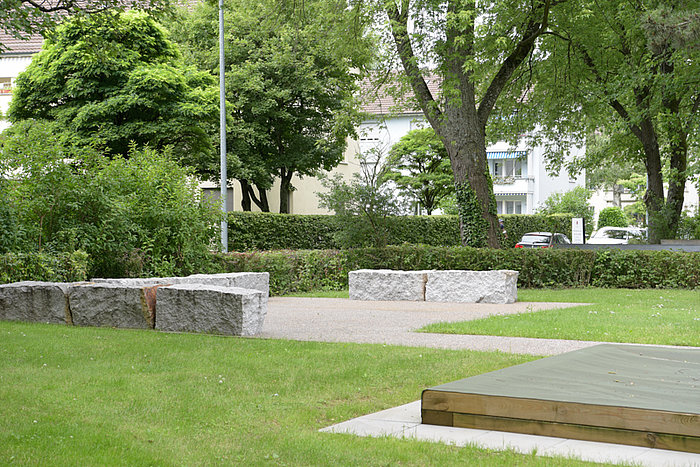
point(267, 231)
point(299, 271)
point(62, 267)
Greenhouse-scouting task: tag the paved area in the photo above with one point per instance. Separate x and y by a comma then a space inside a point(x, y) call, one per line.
point(404, 422)
point(379, 322)
point(343, 320)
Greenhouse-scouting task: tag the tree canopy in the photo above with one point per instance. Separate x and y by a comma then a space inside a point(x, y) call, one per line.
point(419, 166)
point(630, 71)
point(289, 87)
point(116, 79)
point(22, 19)
point(475, 50)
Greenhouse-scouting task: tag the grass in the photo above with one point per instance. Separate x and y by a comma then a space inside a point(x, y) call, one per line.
point(646, 316)
point(98, 396)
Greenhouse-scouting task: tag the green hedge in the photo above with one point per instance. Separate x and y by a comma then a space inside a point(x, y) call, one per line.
point(62, 267)
point(266, 231)
point(298, 271)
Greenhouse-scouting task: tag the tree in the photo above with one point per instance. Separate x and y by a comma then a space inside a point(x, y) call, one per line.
point(475, 49)
point(362, 205)
point(289, 85)
point(571, 202)
point(631, 70)
point(612, 216)
point(23, 18)
point(110, 81)
point(419, 166)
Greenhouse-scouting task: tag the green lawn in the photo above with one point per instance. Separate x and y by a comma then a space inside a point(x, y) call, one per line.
point(97, 396)
point(647, 316)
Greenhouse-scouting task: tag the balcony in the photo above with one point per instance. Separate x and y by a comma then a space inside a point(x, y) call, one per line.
point(513, 185)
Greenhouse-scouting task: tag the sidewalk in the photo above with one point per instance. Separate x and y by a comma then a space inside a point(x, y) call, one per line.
point(394, 323)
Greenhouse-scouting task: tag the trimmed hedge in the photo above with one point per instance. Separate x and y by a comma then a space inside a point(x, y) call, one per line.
point(267, 231)
point(299, 271)
point(62, 267)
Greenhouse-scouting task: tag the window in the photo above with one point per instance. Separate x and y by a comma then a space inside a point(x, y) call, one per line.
point(509, 207)
point(5, 85)
point(508, 168)
point(498, 168)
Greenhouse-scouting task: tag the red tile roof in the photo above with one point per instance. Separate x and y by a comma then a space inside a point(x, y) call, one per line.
point(15, 46)
point(391, 97)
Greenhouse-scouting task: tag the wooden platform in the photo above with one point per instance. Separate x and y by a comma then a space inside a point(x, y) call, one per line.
point(637, 395)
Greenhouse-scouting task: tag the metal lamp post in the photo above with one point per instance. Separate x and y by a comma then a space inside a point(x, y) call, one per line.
point(222, 130)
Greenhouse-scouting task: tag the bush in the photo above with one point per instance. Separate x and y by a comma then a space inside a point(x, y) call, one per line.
point(266, 231)
point(612, 217)
point(63, 267)
point(299, 271)
point(573, 202)
point(134, 216)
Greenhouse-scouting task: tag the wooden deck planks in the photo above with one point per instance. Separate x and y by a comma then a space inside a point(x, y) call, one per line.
point(625, 417)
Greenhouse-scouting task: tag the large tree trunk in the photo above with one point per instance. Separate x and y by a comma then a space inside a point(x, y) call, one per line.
point(461, 123)
point(260, 200)
point(248, 195)
point(246, 203)
point(285, 189)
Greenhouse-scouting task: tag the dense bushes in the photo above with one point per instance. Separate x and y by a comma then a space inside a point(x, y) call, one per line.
point(138, 215)
point(63, 267)
point(612, 216)
point(292, 271)
point(265, 231)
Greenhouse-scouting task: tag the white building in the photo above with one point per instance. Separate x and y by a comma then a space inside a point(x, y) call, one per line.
point(13, 60)
point(520, 179)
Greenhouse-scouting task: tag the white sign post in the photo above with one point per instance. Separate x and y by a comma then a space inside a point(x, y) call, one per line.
point(578, 231)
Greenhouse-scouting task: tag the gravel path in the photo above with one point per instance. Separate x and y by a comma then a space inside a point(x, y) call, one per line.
point(378, 322)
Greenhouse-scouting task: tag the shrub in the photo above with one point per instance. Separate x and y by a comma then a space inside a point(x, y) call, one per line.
point(62, 267)
point(267, 231)
point(612, 217)
point(573, 202)
point(297, 271)
point(134, 216)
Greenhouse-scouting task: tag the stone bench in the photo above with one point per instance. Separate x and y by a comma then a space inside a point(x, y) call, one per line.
point(209, 308)
point(498, 286)
point(233, 303)
point(42, 302)
point(386, 284)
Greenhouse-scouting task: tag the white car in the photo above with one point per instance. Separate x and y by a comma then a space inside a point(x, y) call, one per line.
point(617, 235)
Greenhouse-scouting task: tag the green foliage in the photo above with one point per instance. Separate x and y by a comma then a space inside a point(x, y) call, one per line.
point(135, 216)
point(612, 216)
point(268, 231)
point(628, 71)
point(289, 86)
point(41, 266)
point(25, 18)
point(420, 167)
point(299, 271)
point(573, 202)
point(361, 206)
point(689, 226)
point(114, 79)
point(473, 225)
point(641, 269)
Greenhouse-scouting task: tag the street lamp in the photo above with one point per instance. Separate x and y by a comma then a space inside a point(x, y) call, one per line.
point(222, 130)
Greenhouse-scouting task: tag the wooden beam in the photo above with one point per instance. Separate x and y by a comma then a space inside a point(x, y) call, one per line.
point(615, 417)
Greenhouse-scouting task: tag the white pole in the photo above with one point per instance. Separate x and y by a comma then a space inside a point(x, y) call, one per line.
point(222, 130)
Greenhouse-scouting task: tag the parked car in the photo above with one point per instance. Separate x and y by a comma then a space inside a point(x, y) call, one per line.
point(542, 240)
point(617, 235)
